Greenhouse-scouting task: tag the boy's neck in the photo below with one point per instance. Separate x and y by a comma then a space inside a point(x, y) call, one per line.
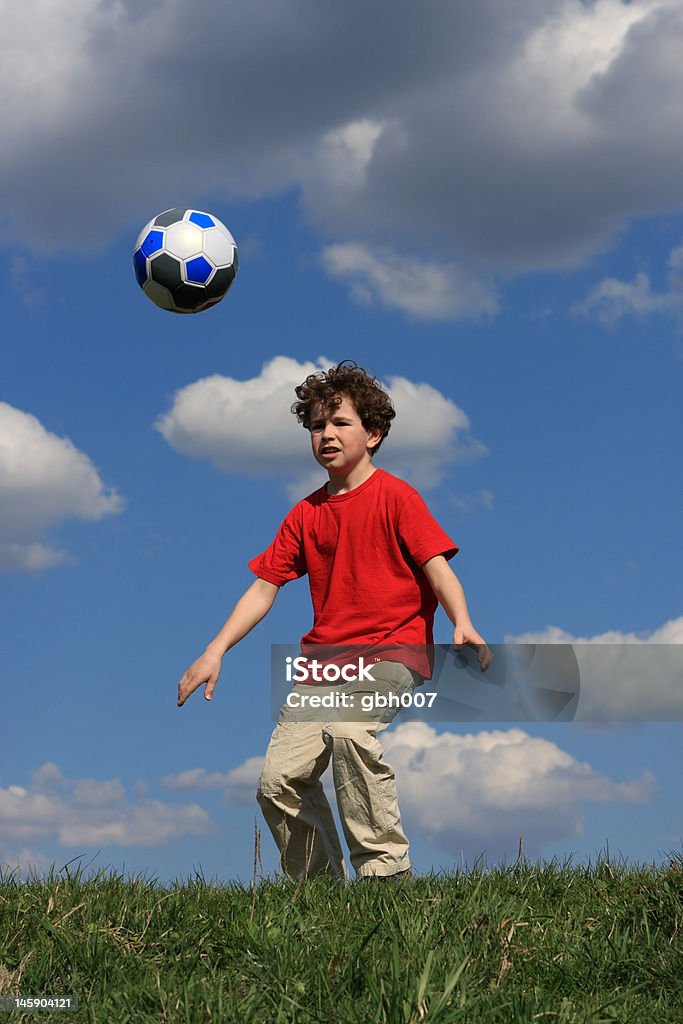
point(339, 484)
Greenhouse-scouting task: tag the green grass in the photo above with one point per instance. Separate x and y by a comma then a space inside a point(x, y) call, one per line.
point(532, 942)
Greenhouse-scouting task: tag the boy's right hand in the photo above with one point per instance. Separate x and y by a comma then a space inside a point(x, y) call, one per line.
point(205, 669)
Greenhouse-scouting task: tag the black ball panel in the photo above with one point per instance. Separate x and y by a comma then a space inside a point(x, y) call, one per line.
point(187, 296)
point(168, 217)
point(220, 282)
point(165, 269)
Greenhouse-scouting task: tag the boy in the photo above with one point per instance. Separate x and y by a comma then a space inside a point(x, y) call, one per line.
point(377, 567)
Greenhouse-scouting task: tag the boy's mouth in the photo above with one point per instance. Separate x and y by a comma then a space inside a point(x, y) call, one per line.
point(329, 451)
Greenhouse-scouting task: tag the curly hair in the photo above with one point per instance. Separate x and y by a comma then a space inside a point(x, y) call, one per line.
point(372, 403)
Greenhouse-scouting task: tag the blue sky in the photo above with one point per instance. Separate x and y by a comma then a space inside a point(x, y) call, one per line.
point(496, 232)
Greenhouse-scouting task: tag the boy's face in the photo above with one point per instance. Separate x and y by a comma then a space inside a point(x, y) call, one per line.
point(338, 439)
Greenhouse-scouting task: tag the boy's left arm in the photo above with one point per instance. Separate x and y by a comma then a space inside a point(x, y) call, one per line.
point(451, 597)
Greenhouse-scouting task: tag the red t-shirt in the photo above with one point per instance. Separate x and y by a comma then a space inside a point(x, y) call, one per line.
point(363, 553)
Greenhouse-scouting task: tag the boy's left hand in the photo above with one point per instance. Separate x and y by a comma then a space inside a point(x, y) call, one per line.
point(465, 633)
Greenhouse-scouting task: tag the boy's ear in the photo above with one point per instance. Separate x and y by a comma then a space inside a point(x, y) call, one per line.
point(375, 438)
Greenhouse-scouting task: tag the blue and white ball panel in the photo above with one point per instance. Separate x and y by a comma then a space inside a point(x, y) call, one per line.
point(198, 270)
point(153, 242)
point(140, 267)
point(202, 219)
point(141, 237)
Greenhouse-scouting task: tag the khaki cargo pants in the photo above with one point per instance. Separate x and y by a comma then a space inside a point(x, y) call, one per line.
point(291, 794)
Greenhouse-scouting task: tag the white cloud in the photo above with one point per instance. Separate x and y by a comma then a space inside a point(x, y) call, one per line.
point(195, 778)
point(343, 155)
point(93, 793)
point(24, 861)
point(487, 163)
point(476, 152)
point(242, 781)
point(562, 56)
point(150, 823)
point(670, 633)
point(468, 503)
point(29, 557)
point(48, 776)
point(242, 426)
point(429, 434)
point(611, 299)
point(397, 280)
point(624, 676)
point(238, 785)
point(44, 479)
point(485, 789)
point(246, 427)
point(48, 86)
point(25, 282)
point(91, 812)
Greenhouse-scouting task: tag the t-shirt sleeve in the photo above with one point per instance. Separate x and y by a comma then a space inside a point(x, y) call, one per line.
point(284, 560)
point(420, 533)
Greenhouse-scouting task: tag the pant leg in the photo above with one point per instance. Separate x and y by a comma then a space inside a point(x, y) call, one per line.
point(293, 801)
point(365, 784)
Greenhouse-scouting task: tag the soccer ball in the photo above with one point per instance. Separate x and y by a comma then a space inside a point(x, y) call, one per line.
point(185, 260)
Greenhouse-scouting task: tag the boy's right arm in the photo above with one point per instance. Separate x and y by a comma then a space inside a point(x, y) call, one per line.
point(254, 605)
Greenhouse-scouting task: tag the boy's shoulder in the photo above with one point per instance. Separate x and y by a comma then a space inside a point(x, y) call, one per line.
point(394, 487)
